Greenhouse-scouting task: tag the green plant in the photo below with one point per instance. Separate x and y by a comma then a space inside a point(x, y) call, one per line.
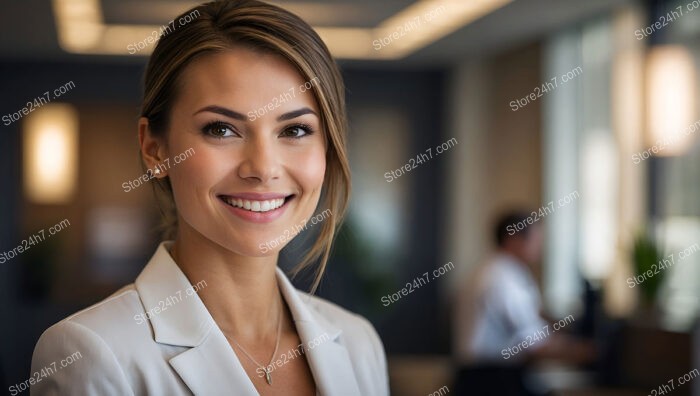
point(646, 256)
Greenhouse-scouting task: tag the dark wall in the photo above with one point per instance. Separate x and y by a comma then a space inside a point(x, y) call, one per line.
point(25, 317)
point(415, 325)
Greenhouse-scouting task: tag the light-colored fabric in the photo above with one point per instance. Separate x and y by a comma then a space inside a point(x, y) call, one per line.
point(181, 351)
point(497, 309)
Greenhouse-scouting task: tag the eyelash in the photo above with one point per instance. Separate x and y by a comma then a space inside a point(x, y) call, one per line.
point(307, 129)
point(207, 129)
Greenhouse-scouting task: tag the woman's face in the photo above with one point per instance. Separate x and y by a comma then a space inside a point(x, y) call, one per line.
point(257, 152)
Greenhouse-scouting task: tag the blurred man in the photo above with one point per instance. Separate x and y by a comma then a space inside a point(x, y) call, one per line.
point(498, 324)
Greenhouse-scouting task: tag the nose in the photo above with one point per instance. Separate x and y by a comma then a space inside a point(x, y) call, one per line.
point(260, 160)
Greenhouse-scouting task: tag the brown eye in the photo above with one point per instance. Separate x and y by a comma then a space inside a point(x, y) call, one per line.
point(297, 131)
point(219, 129)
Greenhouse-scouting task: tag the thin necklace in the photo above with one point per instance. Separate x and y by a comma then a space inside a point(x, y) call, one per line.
point(267, 369)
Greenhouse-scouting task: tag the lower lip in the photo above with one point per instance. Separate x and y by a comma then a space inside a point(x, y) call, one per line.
point(257, 217)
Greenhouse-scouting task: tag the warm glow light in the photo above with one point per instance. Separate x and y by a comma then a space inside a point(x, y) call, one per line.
point(50, 154)
point(79, 24)
point(671, 85)
point(81, 29)
point(599, 181)
point(429, 20)
point(349, 43)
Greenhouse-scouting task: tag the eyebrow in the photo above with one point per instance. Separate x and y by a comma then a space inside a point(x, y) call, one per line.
point(296, 113)
point(223, 111)
point(238, 116)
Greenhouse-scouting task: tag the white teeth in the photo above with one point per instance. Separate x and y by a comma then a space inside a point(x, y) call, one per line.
point(256, 206)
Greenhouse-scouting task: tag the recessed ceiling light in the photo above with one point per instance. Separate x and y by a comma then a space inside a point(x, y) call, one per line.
point(81, 29)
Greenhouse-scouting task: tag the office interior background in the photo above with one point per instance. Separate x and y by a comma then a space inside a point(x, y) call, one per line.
point(585, 112)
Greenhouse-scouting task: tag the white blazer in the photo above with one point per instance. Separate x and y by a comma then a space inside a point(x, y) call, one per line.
point(116, 348)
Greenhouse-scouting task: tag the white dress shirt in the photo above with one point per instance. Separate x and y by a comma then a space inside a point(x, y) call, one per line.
point(498, 308)
point(180, 350)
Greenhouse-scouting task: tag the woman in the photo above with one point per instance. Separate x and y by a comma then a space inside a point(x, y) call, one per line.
point(252, 94)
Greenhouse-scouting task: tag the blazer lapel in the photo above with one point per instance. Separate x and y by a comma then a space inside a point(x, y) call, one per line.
point(208, 366)
point(328, 358)
point(207, 370)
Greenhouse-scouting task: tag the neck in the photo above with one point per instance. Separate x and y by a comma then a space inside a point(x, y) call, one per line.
point(242, 294)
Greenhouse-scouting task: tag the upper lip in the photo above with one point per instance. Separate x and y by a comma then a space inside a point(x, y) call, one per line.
point(253, 196)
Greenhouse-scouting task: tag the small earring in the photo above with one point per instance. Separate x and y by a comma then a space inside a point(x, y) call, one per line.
point(157, 172)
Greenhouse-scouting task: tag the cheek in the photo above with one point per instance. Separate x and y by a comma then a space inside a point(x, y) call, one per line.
point(194, 176)
point(310, 169)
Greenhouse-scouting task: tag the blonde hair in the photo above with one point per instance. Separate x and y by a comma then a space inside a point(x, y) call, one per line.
point(218, 26)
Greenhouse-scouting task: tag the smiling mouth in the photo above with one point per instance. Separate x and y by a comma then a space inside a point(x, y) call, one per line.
point(252, 205)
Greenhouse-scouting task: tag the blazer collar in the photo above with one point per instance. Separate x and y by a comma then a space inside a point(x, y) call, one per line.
point(327, 357)
point(179, 317)
point(176, 313)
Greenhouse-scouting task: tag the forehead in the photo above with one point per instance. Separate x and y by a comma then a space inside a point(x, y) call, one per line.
point(243, 79)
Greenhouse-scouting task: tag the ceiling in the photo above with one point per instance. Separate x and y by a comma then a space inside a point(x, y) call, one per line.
point(29, 29)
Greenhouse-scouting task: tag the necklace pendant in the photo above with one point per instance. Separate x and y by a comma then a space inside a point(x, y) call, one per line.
point(268, 377)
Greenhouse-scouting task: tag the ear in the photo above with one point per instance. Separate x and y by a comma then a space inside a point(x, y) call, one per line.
point(153, 149)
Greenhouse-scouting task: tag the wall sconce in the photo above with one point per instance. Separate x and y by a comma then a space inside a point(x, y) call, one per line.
point(671, 100)
point(50, 154)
